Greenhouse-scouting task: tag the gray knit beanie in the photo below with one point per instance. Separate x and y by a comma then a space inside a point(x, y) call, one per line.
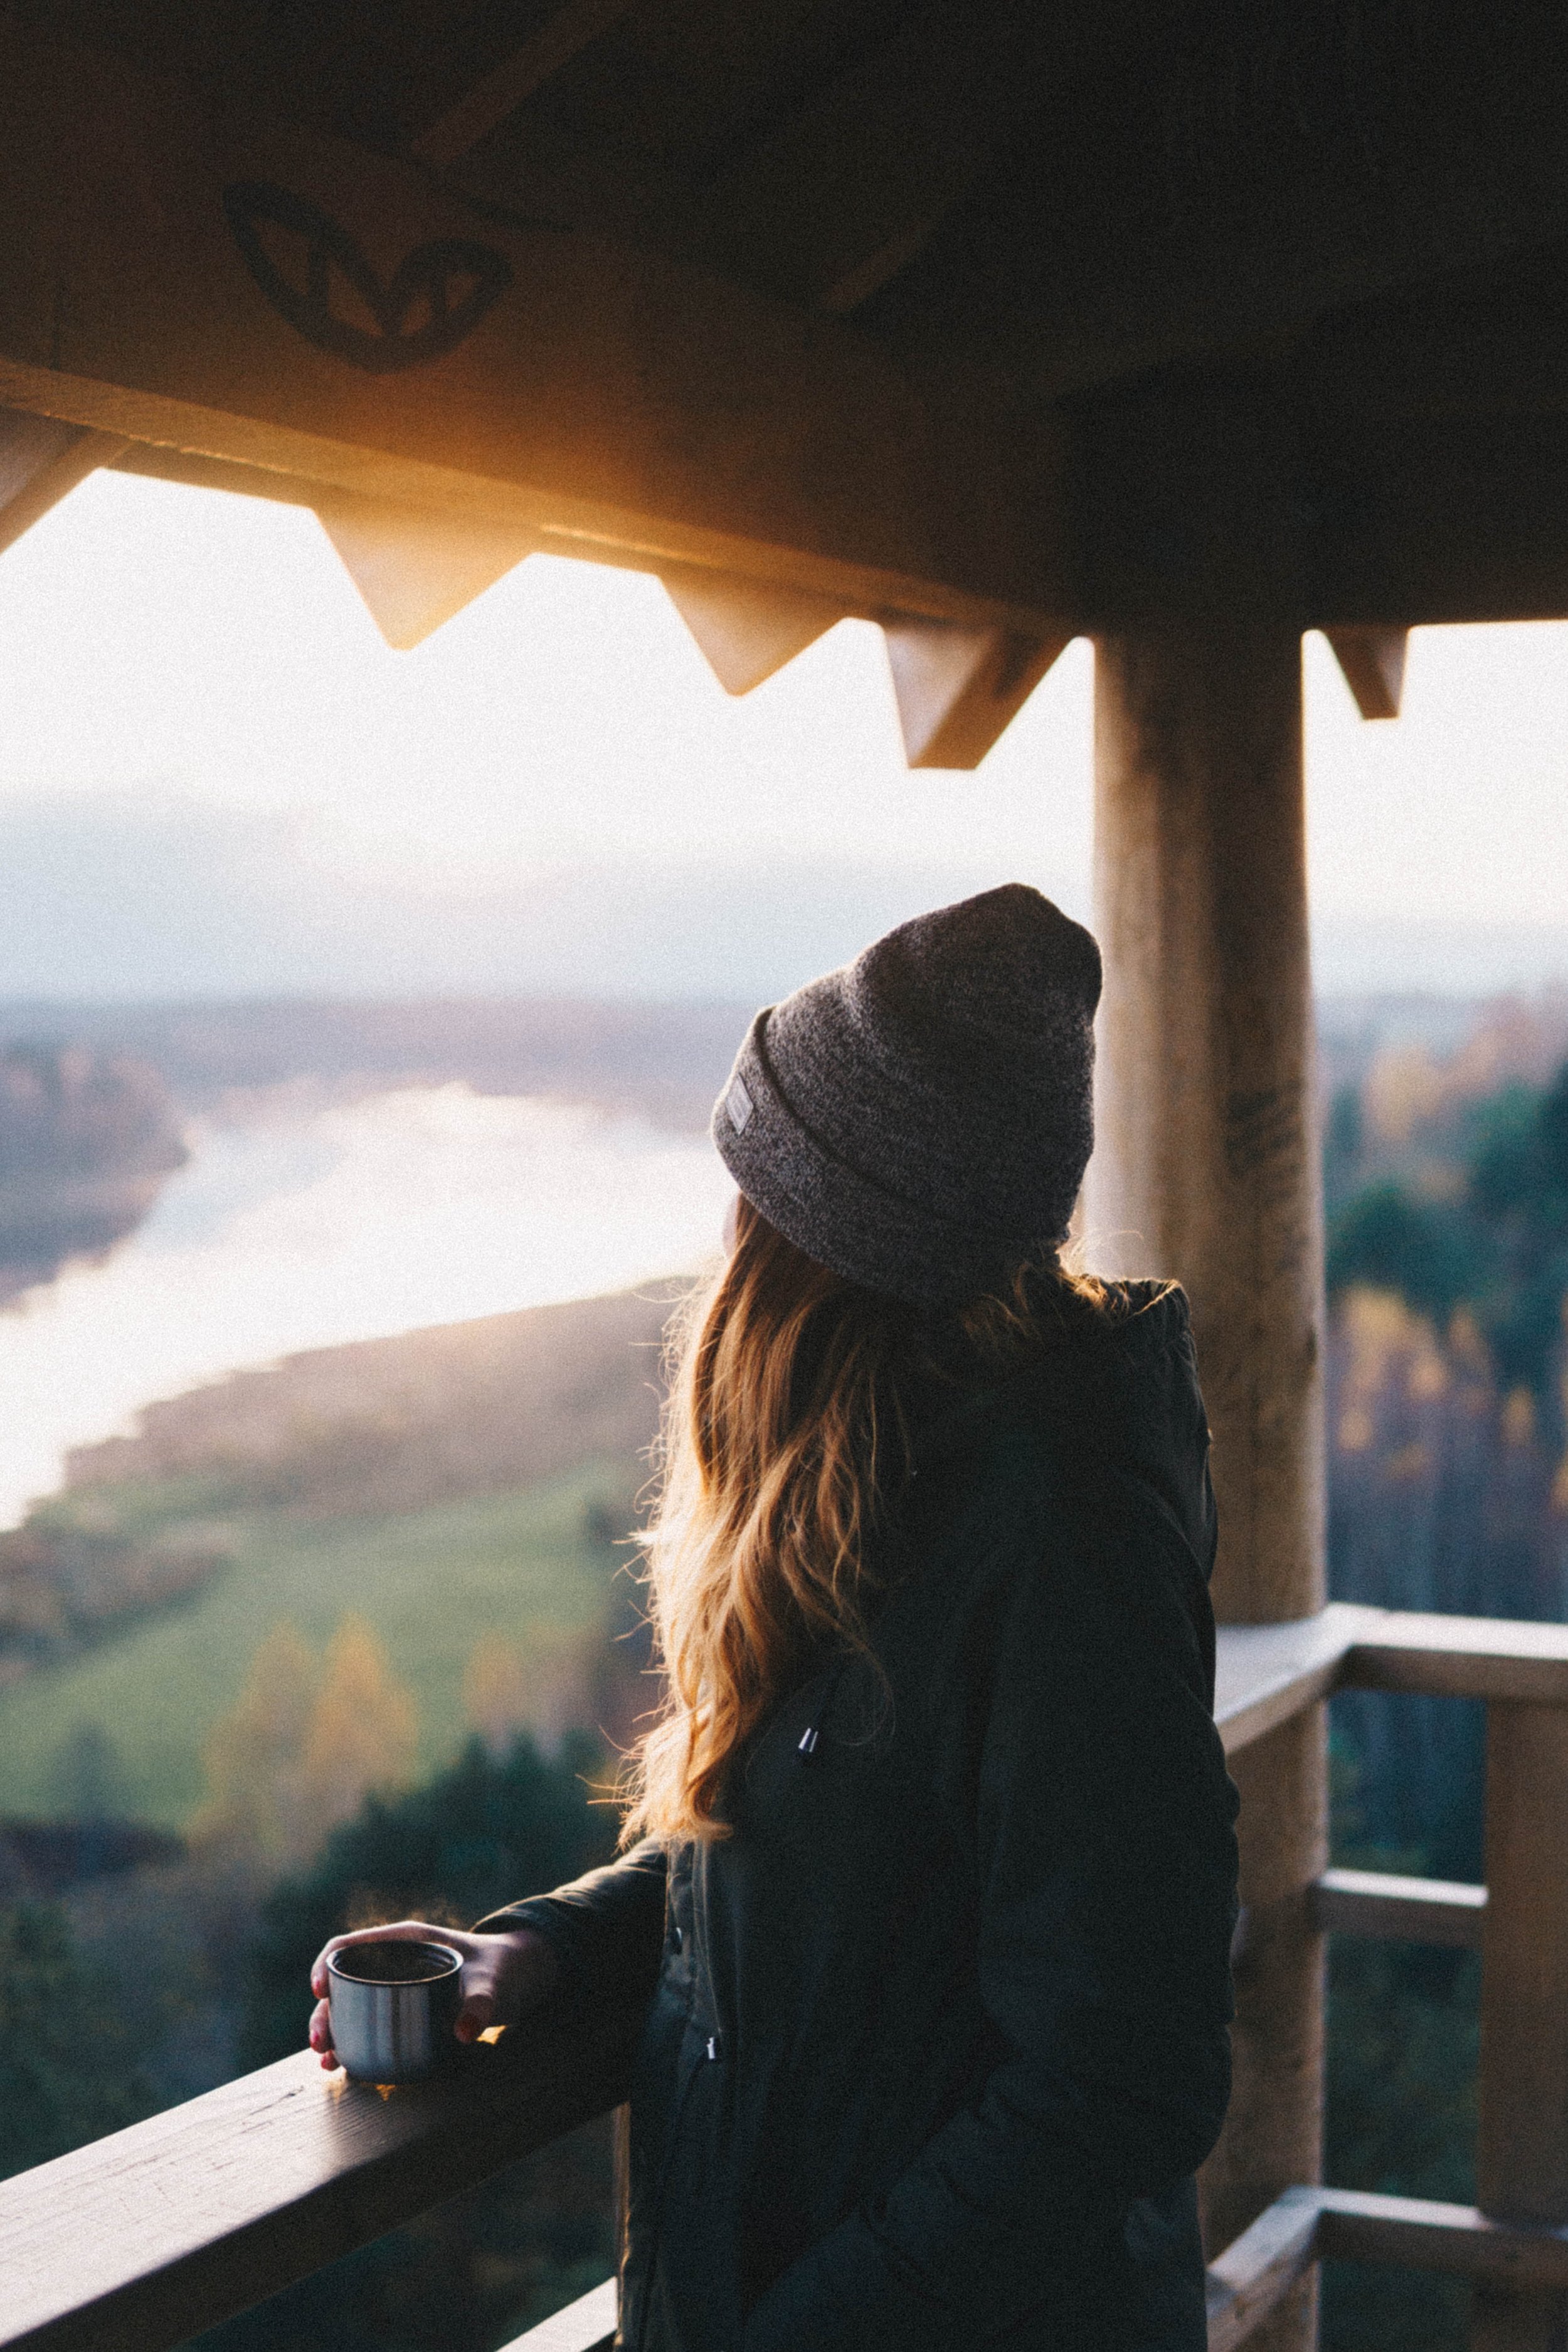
point(920, 1120)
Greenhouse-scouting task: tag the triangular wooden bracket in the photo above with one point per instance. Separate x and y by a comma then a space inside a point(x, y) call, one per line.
point(957, 686)
point(414, 567)
point(40, 459)
point(745, 629)
point(1373, 661)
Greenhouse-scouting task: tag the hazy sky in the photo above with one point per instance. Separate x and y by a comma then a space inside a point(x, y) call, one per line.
point(214, 776)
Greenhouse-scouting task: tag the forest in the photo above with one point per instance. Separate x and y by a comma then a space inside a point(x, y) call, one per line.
point(88, 1138)
point(402, 1687)
point(1446, 1183)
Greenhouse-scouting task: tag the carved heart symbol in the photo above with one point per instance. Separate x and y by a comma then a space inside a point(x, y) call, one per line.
point(444, 288)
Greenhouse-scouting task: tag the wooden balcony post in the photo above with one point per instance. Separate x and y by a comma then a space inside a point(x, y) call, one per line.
point(1206, 1167)
point(1521, 2154)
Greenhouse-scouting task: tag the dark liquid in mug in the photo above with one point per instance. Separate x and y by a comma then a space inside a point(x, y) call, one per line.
point(395, 1963)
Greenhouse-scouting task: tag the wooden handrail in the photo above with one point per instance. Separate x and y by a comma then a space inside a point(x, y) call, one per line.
point(1519, 1921)
point(1265, 1674)
point(586, 2325)
point(1268, 1672)
point(146, 2237)
point(1305, 2225)
point(1255, 2273)
point(1402, 1910)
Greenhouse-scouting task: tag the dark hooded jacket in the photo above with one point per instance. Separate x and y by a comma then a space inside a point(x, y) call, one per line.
point(937, 2037)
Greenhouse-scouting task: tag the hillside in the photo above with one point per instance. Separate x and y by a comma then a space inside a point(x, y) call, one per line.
point(662, 1061)
point(86, 1142)
point(462, 1492)
point(386, 1425)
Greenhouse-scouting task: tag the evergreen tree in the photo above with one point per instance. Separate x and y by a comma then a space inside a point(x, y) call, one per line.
point(1388, 1239)
point(69, 2068)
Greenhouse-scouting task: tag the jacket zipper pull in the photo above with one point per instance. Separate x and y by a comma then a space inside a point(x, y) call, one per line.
point(806, 1748)
point(715, 2047)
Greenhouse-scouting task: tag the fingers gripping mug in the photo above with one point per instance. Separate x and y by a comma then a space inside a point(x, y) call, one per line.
point(393, 2005)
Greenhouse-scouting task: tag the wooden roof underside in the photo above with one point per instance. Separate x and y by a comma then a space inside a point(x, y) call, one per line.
point(990, 320)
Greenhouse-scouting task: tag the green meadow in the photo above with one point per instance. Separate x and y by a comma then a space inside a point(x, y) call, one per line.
point(536, 1564)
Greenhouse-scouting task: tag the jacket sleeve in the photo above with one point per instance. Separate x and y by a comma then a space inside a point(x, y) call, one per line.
point(1102, 1821)
point(606, 1926)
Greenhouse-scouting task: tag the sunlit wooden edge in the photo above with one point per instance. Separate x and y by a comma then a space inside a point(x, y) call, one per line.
point(1398, 1910)
point(1267, 1673)
point(586, 2325)
point(1255, 2274)
point(143, 2238)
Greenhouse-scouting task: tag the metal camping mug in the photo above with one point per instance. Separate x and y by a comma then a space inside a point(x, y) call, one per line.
point(393, 2005)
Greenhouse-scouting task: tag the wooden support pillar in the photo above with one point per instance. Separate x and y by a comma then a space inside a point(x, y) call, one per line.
point(1522, 2154)
point(1206, 1169)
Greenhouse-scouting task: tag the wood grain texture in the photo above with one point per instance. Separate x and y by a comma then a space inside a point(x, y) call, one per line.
point(147, 2236)
point(1205, 1171)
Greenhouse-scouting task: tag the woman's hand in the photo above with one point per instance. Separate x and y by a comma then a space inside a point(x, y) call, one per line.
point(504, 1976)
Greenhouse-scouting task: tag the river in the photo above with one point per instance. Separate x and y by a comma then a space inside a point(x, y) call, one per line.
point(304, 1224)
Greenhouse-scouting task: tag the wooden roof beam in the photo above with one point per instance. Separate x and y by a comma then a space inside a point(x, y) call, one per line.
point(1299, 182)
point(831, 205)
point(745, 631)
point(1441, 521)
point(416, 569)
point(40, 460)
point(270, 302)
point(488, 104)
point(958, 688)
point(1373, 661)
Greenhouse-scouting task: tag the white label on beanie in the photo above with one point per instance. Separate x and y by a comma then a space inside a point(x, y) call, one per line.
point(738, 1103)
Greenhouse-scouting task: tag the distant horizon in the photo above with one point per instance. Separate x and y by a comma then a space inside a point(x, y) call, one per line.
point(1342, 988)
point(1338, 992)
point(219, 785)
point(112, 903)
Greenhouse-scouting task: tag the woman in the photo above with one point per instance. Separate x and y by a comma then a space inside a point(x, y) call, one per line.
point(929, 1886)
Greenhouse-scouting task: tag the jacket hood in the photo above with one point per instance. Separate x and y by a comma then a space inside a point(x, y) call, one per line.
point(1113, 1393)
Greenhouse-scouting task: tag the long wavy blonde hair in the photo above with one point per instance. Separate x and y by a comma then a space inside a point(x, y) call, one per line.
point(786, 1434)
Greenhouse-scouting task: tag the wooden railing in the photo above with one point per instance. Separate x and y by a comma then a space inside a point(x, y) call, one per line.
point(141, 2239)
point(1511, 2245)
